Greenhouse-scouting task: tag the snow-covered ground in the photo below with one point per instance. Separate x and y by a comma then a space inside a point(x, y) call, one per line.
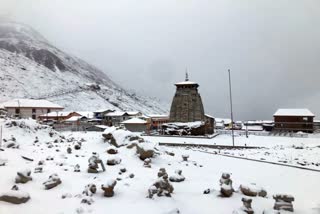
point(202, 171)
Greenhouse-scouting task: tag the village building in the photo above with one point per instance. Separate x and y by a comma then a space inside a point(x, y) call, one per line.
point(29, 108)
point(100, 114)
point(157, 120)
point(187, 107)
point(117, 117)
point(136, 125)
point(294, 120)
point(58, 116)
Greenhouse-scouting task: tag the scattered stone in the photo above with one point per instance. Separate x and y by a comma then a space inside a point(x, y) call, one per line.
point(87, 201)
point(69, 150)
point(185, 157)
point(131, 175)
point(15, 187)
point(283, 202)
point(123, 170)
point(50, 158)
point(90, 190)
point(147, 163)
point(15, 197)
point(3, 162)
point(207, 191)
point(77, 168)
point(162, 186)
point(41, 163)
point(170, 153)
point(113, 161)
point(112, 150)
point(108, 188)
point(26, 158)
point(66, 195)
point(77, 146)
point(38, 169)
point(252, 190)
point(247, 208)
point(226, 189)
point(94, 162)
point(178, 177)
point(52, 182)
point(23, 177)
point(36, 140)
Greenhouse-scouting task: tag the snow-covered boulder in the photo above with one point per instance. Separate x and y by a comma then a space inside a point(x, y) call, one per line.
point(177, 177)
point(120, 137)
point(23, 176)
point(226, 189)
point(113, 161)
point(252, 190)
point(52, 182)
point(112, 150)
point(108, 188)
point(145, 150)
point(15, 197)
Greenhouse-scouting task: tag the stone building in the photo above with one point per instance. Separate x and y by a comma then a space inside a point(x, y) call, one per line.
point(187, 108)
point(187, 104)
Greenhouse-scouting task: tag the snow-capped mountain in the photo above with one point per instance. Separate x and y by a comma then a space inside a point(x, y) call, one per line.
point(30, 67)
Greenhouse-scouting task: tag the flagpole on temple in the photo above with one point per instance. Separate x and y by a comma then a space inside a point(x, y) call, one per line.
point(231, 108)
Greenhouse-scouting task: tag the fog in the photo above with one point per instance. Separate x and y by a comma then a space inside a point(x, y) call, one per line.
point(271, 46)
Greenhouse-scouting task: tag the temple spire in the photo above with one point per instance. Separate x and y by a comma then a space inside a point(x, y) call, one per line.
point(187, 75)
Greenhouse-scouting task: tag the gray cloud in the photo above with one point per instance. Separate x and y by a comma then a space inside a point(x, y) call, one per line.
point(272, 47)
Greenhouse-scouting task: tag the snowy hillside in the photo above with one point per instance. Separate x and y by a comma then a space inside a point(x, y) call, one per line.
point(32, 68)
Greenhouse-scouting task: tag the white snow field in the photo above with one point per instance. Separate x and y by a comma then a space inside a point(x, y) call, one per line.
point(202, 171)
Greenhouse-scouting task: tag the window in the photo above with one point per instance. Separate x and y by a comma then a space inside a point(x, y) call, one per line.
point(33, 111)
point(34, 116)
point(48, 110)
point(17, 111)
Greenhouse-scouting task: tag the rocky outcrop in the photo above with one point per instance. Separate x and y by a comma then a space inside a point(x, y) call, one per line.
point(108, 188)
point(23, 176)
point(52, 182)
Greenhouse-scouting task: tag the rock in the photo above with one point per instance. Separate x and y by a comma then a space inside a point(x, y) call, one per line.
point(94, 162)
point(77, 146)
point(162, 186)
point(69, 150)
point(178, 177)
point(113, 161)
point(38, 169)
point(131, 175)
point(15, 197)
point(185, 157)
point(283, 202)
point(52, 182)
point(252, 190)
point(3, 162)
point(170, 153)
point(144, 152)
point(23, 176)
point(66, 195)
point(87, 201)
point(226, 189)
point(112, 150)
point(90, 189)
point(77, 168)
point(123, 170)
point(108, 188)
point(247, 208)
point(147, 163)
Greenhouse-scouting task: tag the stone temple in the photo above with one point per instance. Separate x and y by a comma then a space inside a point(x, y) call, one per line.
point(187, 104)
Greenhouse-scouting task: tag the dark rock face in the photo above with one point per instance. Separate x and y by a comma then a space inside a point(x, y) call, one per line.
point(283, 202)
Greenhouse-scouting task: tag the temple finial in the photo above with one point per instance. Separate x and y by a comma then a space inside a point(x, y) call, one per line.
point(187, 75)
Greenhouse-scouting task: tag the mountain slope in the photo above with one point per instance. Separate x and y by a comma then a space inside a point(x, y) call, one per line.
point(30, 67)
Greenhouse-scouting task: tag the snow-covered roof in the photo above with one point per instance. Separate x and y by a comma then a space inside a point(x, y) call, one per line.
point(116, 114)
point(75, 118)
point(158, 115)
point(29, 103)
point(87, 114)
point(133, 113)
point(134, 121)
point(186, 83)
point(102, 110)
point(57, 114)
point(208, 115)
point(294, 112)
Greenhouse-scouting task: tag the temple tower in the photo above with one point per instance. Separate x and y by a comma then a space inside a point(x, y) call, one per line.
point(187, 104)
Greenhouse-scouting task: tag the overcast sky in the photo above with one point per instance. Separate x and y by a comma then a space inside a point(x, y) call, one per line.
point(271, 46)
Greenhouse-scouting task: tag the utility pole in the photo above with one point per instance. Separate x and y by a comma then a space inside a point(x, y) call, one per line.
point(231, 108)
